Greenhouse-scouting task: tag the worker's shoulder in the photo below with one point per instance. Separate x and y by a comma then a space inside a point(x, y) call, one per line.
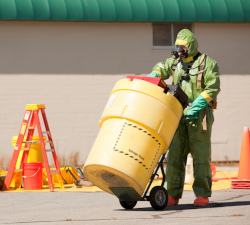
point(207, 59)
point(170, 60)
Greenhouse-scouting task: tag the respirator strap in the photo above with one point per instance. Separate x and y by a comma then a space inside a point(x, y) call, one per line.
point(185, 76)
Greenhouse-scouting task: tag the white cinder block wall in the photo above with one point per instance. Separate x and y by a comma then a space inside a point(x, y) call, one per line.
point(71, 67)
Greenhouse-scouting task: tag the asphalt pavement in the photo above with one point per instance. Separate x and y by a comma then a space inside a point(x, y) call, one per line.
point(230, 206)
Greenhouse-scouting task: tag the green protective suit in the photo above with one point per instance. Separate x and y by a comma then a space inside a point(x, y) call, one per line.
point(190, 135)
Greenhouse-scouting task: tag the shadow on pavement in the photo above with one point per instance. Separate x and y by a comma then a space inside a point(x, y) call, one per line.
point(191, 206)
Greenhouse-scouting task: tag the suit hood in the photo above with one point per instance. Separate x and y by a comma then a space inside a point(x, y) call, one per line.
point(187, 38)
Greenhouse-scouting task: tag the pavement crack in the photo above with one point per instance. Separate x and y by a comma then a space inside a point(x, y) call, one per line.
point(77, 220)
point(238, 196)
point(159, 216)
point(156, 217)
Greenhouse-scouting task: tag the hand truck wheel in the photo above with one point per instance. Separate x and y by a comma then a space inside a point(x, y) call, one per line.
point(158, 197)
point(128, 204)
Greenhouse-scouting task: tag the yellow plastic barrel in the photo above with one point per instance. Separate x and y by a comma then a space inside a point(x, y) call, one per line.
point(35, 152)
point(137, 127)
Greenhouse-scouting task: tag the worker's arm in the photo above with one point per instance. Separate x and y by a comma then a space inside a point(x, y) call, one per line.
point(163, 70)
point(211, 90)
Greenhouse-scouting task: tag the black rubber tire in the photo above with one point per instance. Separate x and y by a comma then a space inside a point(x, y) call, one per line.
point(128, 204)
point(158, 197)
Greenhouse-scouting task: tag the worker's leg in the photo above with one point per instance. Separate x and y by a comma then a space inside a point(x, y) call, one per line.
point(200, 148)
point(176, 161)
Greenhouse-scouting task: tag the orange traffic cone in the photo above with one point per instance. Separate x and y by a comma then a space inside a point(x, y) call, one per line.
point(244, 165)
point(243, 181)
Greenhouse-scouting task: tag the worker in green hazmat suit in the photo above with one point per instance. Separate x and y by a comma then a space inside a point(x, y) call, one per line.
point(198, 76)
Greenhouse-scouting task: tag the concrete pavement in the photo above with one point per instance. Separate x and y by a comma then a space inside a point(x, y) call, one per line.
point(230, 206)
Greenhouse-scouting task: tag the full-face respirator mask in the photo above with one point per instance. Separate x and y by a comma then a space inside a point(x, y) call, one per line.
point(179, 52)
